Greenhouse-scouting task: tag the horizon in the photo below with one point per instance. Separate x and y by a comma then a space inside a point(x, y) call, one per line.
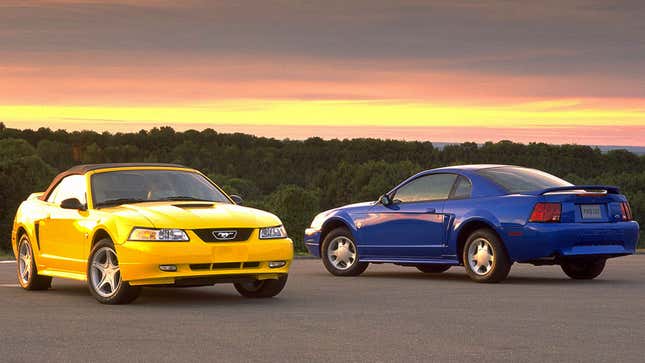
point(379, 134)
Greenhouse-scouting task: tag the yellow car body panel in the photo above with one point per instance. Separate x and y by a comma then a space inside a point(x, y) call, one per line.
point(63, 238)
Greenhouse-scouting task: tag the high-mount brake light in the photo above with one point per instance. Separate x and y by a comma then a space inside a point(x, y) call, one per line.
point(546, 213)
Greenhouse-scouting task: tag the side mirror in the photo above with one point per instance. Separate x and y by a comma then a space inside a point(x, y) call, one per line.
point(73, 203)
point(385, 200)
point(237, 199)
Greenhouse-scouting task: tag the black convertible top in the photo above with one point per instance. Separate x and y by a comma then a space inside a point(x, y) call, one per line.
point(84, 168)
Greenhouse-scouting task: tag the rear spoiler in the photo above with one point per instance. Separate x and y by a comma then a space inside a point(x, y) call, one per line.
point(609, 189)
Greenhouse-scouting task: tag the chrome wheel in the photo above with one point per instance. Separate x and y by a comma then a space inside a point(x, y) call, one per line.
point(341, 253)
point(25, 259)
point(481, 256)
point(105, 275)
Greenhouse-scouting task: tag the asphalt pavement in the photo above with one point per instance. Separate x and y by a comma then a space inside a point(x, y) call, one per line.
point(389, 313)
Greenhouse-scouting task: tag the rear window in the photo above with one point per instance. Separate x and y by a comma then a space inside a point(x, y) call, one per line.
point(519, 180)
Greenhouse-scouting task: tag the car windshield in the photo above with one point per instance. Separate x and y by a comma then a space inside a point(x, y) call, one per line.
point(131, 186)
point(518, 180)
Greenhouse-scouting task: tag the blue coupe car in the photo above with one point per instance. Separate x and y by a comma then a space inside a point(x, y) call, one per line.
point(484, 217)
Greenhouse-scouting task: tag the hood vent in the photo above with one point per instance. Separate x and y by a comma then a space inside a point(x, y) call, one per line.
point(194, 205)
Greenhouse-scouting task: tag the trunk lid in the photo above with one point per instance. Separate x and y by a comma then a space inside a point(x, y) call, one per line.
point(586, 203)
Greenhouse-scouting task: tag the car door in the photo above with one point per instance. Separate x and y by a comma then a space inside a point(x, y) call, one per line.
point(63, 231)
point(413, 225)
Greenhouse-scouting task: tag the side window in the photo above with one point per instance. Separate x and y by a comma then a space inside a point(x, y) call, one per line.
point(72, 186)
point(462, 189)
point(425, 188)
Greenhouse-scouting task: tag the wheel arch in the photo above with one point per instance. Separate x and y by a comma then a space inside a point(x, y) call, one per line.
point(330, 225)
point(19, 232)
point(99, 234)
point(470, 226)
point(24, 229)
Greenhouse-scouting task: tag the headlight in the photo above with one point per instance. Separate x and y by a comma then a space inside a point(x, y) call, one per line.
point(163, 235)
point(273, 232)
point(318, 221)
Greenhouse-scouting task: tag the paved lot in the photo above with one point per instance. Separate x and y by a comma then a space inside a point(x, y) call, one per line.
point(388, 314)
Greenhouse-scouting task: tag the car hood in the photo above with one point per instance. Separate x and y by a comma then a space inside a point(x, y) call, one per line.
point(191, 215)
point(349, 208)
point(357, 206)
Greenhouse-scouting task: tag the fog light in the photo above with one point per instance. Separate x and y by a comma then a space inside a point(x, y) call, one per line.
point(276, 264)
point(168, 268)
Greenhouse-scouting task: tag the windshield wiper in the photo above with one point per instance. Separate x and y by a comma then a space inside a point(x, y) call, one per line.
point(184, 197)
point(119, 201)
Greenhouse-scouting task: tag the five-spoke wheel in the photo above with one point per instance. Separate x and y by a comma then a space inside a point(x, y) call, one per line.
point(26, 267)
point(104, 276)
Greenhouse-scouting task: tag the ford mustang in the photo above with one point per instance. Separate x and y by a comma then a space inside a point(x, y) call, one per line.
point(484, 217)
point(124, 226)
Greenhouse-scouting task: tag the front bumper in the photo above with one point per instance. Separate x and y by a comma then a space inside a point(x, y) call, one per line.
point(312, 241)
point(540, 240)
point(140, 261)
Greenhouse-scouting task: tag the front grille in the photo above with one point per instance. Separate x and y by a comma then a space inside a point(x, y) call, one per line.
point(224, 234)
point(223, 266)
point(200, 266)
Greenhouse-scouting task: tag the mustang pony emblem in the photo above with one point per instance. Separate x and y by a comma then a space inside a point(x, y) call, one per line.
point(225, 235)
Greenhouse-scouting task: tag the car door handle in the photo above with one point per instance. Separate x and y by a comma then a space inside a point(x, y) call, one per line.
point(431, 210)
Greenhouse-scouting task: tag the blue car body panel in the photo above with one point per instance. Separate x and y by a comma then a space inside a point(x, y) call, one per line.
point(429, 232)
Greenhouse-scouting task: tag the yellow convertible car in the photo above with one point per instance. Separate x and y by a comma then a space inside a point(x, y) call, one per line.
point(123, 226)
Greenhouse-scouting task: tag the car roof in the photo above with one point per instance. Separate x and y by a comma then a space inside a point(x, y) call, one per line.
point(469, 167)
point(85, 168)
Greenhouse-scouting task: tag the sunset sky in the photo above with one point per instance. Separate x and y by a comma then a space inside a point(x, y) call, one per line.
point(552, 71)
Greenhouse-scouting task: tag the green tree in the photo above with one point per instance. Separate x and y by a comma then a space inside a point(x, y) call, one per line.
point(54, 153)
point(296, 207)
point(19, 178)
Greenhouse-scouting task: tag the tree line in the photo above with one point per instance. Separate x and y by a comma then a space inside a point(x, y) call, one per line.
point(295, 179)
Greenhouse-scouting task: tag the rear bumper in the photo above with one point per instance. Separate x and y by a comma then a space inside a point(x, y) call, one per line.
point(140, 261)
point(539, 240)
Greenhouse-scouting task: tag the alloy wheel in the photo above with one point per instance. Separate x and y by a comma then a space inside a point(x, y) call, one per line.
point(341, 253)
point(481, 256)
point(105, 274)
point(25, 260)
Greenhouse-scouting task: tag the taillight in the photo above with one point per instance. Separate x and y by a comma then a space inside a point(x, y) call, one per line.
point(546, 212)
point(626, 211)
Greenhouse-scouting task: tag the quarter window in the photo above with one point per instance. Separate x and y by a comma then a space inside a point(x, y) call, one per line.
point(72, 186)
point(462, 189)
point(425, 188)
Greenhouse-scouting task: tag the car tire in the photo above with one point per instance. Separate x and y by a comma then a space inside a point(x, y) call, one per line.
point(485, 257)
point(259, 289)
point(103, 270)
point(431, 268)
point(26, 268)
point(340, 240)
point(583, 269)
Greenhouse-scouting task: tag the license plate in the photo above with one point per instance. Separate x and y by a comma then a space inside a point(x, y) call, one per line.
point(590, 211)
